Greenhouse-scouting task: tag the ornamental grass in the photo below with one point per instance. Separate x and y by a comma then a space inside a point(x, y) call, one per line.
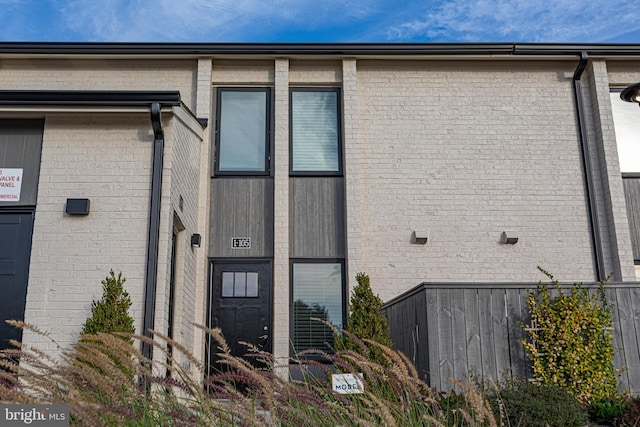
point(107, 381)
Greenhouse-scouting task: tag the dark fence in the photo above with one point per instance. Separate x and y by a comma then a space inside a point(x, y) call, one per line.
point(453, 330)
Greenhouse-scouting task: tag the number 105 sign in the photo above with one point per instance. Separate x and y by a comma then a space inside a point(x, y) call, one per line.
point(241, 243)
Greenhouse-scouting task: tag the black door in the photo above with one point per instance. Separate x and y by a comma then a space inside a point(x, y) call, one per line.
point(240, 305)
point(15, 250)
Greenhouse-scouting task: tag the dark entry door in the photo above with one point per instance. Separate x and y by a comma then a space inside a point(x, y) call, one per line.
point(240, 304)
point(15, 250)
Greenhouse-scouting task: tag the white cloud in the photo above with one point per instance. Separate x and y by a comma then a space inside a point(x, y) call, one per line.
point(520, 21)
point(206, 20)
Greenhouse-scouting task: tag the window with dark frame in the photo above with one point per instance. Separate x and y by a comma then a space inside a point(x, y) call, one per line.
point(242, 131)
point(317, 291)
point(626, 120)
point(315, 131)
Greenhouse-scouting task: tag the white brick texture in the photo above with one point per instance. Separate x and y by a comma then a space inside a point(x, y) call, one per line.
point(106, 159)
point(114, 74)
point(464, 151)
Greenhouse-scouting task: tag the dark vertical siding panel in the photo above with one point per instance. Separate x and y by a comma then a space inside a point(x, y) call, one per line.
point(632, 196)
point(460, 366)
point(241, 207)
point(445, 332)
point(515, 315)
point(489, 368)
point(21, 147)
point(433, 337)
point(629, 336)
point(472, 330)
point(408, 318)
point(500, 330)
point(619, 357)
point(422, 362)
point(316, 206)
point(635, 307)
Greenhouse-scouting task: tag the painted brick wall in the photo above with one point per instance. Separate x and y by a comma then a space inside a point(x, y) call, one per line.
point(465, 151)
point(204, 103)
point(609, 194)
point(232, 72)
point(108, 160)
point(181, 178)
point(281, 304)
point(315, 72)
point(108, 74)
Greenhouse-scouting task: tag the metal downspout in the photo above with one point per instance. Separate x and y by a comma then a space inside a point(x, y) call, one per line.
point(154, 230)
point(587, 166)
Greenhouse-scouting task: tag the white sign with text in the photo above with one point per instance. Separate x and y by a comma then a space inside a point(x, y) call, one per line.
point(10, 184)
point(347, 383)
point(241, 243)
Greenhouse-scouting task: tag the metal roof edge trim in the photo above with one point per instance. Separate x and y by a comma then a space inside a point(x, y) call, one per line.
point(346, 49)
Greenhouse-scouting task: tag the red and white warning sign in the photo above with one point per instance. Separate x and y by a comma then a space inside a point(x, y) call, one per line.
point(10, 184)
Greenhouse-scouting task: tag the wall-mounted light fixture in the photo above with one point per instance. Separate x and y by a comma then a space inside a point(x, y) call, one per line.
point(508, 237)
point(419, 237)
point(196, 240)
point(78, 207)
point(631, 93)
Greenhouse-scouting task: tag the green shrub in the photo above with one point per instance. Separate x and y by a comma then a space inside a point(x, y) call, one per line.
point(630, 416)
point(517, 402)
point(365, 320)
point(570, 343)
point(111, 313)
point(607, 410)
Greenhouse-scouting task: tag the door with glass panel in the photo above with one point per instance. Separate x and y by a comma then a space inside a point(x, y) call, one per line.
point(240, 305)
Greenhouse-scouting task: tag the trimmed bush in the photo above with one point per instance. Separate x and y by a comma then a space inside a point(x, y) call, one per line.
point(111, 313)
point(365, 320)
point(517, 402)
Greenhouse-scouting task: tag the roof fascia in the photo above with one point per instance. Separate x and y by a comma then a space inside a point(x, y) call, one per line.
point(81, 98)
point(195, 50)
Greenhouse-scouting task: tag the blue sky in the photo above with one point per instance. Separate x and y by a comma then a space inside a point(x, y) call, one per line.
point(562, 21)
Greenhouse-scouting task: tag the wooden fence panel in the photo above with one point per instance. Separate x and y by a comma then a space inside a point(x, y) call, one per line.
point(450, 332)
point(445, 355)
point(472, 330)
point(489, 368)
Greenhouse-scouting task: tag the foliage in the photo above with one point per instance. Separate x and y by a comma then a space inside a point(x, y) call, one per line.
point(520, 403)
point(630, 415)
point(469, 407)
point(607, 410)
point(111, 313)
point(238, 394)
point(366, 321)
point(570, 341)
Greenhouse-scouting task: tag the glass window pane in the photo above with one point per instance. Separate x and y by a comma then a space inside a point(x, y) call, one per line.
point(314, 131)
point(626, 119)
point(252, 284)
point(227, 284)
point(243, 131)
point(239, 285)
point(317, 293)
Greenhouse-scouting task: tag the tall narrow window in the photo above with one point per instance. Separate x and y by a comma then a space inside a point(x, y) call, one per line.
point(626, 119)
point(242, 133)
point(317, 293)
point(315, 131)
